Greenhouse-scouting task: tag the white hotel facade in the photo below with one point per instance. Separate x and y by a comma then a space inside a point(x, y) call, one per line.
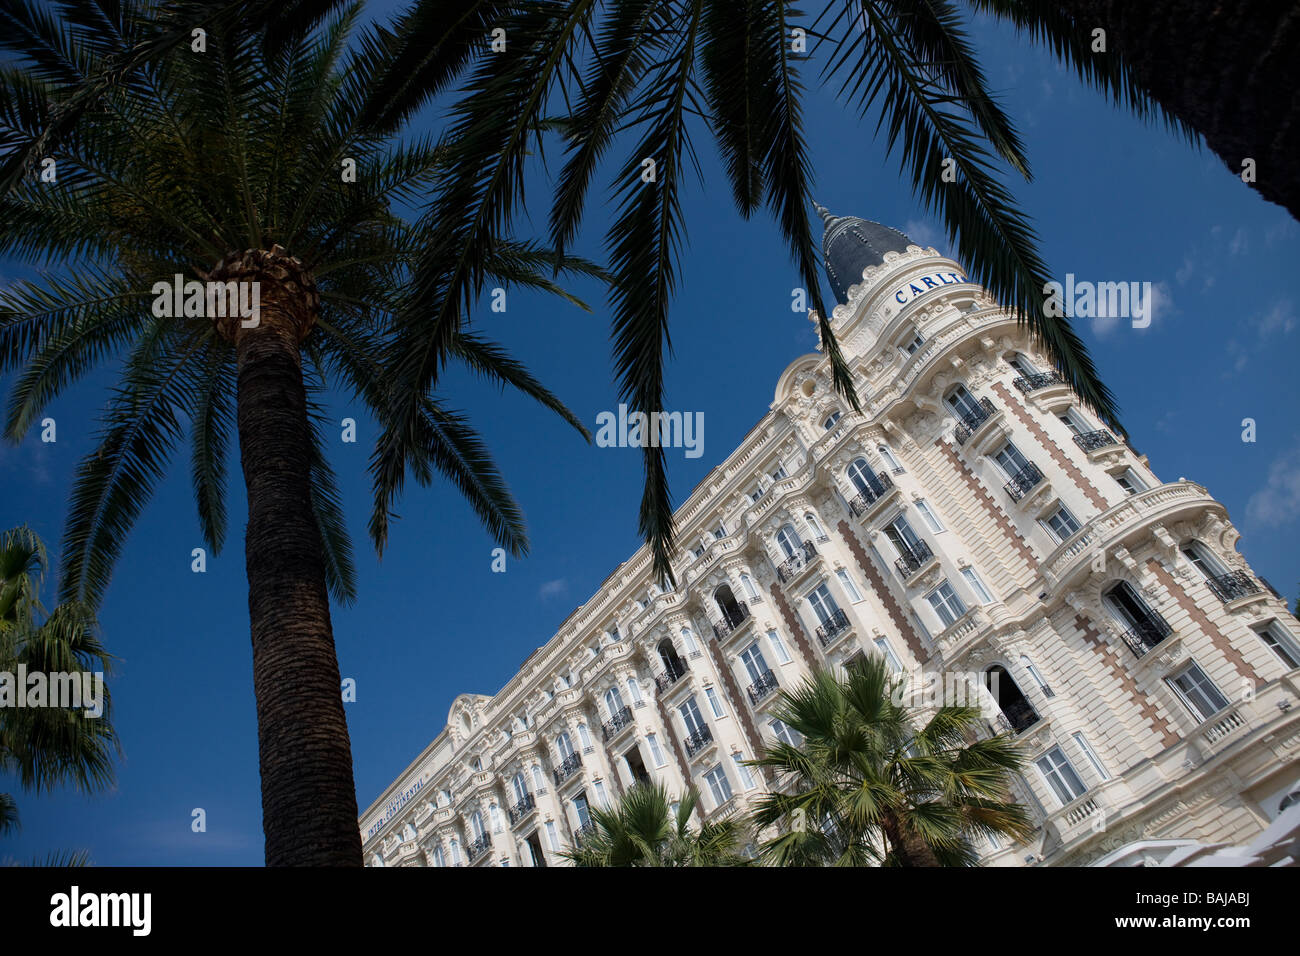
point(973, 519)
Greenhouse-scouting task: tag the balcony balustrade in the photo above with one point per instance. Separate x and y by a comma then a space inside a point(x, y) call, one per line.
point(521, 809)
point(567, 768)
point(670, 676)
point(1233, 585)
point(479, 847)
point(969, 423)
point(698, 741)
point(1146, 633)
point(1024, 481)
point(876, 489)
point(1018, 716)
point(616, 723)
point(1091, 441)
point(737, 616)
point(913, 559)
point(796, 561)
point(833, 627)
point(763, 687)
point(1032, 383)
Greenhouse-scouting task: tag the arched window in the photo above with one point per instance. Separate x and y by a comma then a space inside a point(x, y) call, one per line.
point(476, 765)
point(1203, 559)
point(476, 824)
point(455, 851)
point(1022, 365)
point(814, 526)
point(539, 782)
point(1032, 671)
point(634, 690)
point(1144, 628)
point(564, 745)
point(613, 701)
point(888, 457)
point(747, 583)
point(731, 610)
point(1017, 712)
point(830, 421)
point(688, 641)
point(864, 478)
point(787, 540)
point(963, 403)
point(494, 813)
point(408, 833)
point(520, 787)
point(439, 856)
point(674, 666)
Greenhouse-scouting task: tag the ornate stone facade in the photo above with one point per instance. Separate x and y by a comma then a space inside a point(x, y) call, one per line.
point(973, 519)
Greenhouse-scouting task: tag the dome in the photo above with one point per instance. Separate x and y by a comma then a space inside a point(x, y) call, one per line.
point(850, 245)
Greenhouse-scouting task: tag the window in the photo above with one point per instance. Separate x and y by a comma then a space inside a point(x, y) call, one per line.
point(538, 780)
point(564, 745)
point(903, 537)
point(1130, 610)
point(778, 647)
point(888, 457)
point(520, 787)
point(823, 604)
point(1032, 671)
point(755, 665)
point(787, 540)
point(494, 813)
point(691, 717)
point(1090, 756)
point(755, 495)
point(864, 478)
point(1062, 524)
point(1022, 365)
point(1198, 692)
point(783, 733)
point(746, 778)
point(915, 342)
point(888, 654)
point(946, 604)
point(964, 403)
point(719, 532)
point(1128, 480)
point(931, 520)
point(1060, 776)
point(656, 752)
point(634, 690)
point(613, 701)
point(1010, 460)
point(688, 640)
point(747, 583)
point(814, 526)
point(1074, 421)
point(584, 736)
point(455, 851)
point(715, 704)
point(581, 809)
point(1202, 559)
point(976, 585)
point(779, 473)
point(439, 857)
point(552, 836)
point(829, 423)
point(719, 785)
point(850, 588)
point(1276, 638)
point(698, 552)
point(601, 797)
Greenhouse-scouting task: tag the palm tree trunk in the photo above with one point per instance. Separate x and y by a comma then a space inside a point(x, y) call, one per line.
point(1227, 70)
point(309, 807)
point(908, 847)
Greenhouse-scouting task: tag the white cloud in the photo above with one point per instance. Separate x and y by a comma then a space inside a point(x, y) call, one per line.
point(1278, 502)
point(1239, 243)
point(550, 589)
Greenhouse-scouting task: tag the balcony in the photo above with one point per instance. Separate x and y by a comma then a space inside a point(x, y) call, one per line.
point(1017, 716)
point(588, 829)
point(1091, 441)
point(521, 809)
point(876, 489)
point(736, 617)
point(1024, 481)
point(669, 677)
point(1032, 383)
point(913, 559)
point(479, 847)
point(763, 687)
point(796, 562)
point(698, 741)
point(1147, 633)
point(969, 423)
point(832, 627)
point(1235, 584)
point(618, 723)
point(567, 768)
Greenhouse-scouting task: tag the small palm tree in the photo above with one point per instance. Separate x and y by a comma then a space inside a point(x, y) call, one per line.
point(867, 785)
point(642, 829)
point(47, 746)
point(237, 165)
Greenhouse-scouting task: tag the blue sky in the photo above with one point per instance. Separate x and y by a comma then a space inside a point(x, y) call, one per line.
point(1113, 200)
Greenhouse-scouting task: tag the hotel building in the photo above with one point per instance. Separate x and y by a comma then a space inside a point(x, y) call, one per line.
point(974, 519)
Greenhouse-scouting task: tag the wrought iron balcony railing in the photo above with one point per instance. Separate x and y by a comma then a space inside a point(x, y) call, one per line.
point(833, 627)
point(1018, 716)
point(583, 832)
point(521, 809)
point(698, 741)
point(670, 676)
point(616, 723)
point(799, 559)
point(1147, 633)
point(567, 768)
point(479, 847)
point(876, 489)
point(1031, 383)
point(911, 560)
point(763, 687)
point(1233, 585)
point(732, 620)
point(1091, 441)
point(973, 420)
point(1025, 480)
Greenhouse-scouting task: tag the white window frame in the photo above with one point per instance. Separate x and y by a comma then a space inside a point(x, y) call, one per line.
point(747, 781)
point(928, 516)
point(1056, 535)
point(889, 458)
point(716, 778)
point(1188, 702)
point(976, 584)
point(553, 835)
point(656, 752)
point(1081, 742)
point(1057, 782)
point(949, 608)
point(715, 704)
point(887, 652)
point(778, 647)
point(850, 589)
point(1283, 643)
point(1134, 480)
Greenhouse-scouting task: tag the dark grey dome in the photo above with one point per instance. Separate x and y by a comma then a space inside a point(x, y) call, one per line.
point(851, 244)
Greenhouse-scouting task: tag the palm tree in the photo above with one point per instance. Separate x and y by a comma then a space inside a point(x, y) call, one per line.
point(47, 746)
point(232, 165)
point(643, 829)
point(656, 75)
point(867, 785)
point(1237, 98)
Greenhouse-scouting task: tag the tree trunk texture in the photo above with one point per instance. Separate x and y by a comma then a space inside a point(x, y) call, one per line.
point(309, 807)
point(1227, 69)
point(908, 848)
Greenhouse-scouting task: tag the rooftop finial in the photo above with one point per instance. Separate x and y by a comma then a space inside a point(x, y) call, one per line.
point(823, 212)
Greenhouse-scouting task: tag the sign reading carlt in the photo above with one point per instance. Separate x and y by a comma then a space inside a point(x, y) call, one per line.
point(923, 284)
